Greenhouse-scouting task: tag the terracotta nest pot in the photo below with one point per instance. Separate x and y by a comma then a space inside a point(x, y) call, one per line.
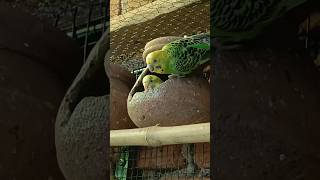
point(178, 101)
point(121, 82)
point(37, 63)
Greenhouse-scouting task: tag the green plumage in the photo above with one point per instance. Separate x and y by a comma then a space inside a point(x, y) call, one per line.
point(188, 53)
point(180, 57)
point(237, 20)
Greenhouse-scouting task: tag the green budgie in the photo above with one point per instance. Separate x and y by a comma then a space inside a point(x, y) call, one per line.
point(239, 20)
point(180, 57)
point(151, 82)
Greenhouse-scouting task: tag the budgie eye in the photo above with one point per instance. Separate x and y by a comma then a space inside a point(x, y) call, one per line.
point(154, 60)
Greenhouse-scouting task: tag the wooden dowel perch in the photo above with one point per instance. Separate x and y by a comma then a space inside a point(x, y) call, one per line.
point(158, 136)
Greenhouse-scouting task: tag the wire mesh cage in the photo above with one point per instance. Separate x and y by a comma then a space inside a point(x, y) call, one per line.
point(84, 22)
point(309, 33)
point(142, 21)
point(133, 23)
point(187, 161)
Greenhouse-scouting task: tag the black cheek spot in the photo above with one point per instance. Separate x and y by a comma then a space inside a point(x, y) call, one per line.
point(158, 67)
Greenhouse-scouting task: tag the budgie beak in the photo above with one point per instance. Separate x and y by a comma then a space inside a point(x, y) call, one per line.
point(150, 67)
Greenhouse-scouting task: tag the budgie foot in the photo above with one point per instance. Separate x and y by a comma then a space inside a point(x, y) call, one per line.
point(173, 76)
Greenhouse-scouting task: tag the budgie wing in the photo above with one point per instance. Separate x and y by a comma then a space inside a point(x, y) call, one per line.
point(188, 53)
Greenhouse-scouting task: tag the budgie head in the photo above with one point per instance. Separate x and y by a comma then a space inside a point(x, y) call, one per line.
point(158, 62)
point(151, 82)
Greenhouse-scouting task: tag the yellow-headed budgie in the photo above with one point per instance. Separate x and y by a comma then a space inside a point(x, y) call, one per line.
point(151, 82)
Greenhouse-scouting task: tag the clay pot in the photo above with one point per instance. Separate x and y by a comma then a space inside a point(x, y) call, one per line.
point(30, 95)
point(36, 64)
point(121, 82)
point(119, 118)
point(178, 101)
point(266, 115)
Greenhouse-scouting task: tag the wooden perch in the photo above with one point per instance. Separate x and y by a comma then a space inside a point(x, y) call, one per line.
point(158, 136)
